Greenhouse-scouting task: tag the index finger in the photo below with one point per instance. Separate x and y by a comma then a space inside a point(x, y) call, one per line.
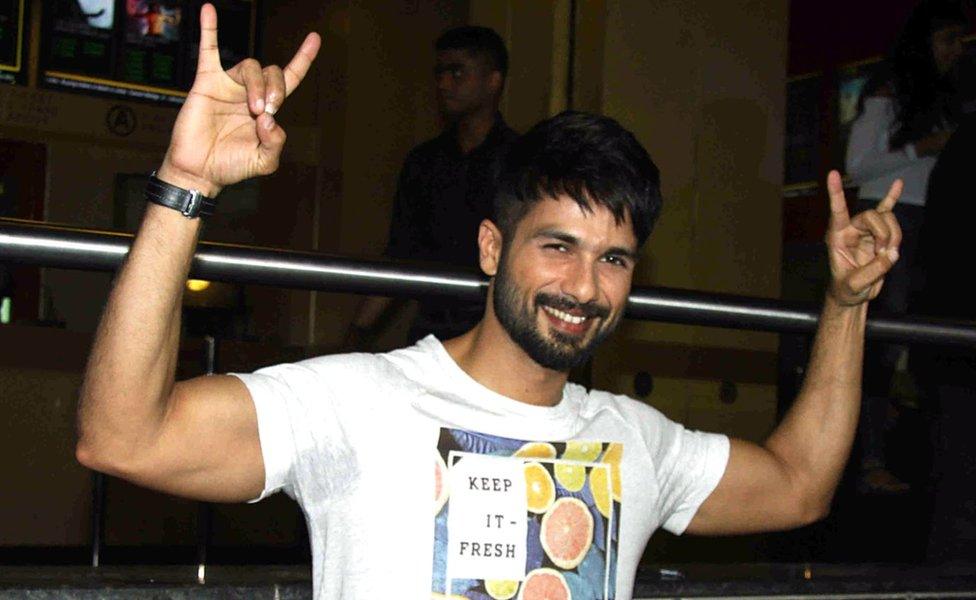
point(209, 54)
point(296, 70)
point(839, 215)
point(889, 201)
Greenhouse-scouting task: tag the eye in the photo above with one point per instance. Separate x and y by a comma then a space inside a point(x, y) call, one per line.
point(557, 247)
point(615, 260)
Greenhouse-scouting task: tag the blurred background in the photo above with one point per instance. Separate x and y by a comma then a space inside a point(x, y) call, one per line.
point(743, 105)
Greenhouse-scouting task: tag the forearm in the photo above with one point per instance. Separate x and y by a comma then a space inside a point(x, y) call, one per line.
point(814, 439)
point(131, 368)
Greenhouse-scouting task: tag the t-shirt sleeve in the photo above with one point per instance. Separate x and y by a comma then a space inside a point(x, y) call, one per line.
point(274, 431)
point(690, 465)
point(302, 440)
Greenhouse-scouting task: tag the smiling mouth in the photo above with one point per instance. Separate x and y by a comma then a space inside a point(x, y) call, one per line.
point(565, 316)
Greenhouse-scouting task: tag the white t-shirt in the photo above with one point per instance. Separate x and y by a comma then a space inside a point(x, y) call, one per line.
point(362, 442)
point(873, 166)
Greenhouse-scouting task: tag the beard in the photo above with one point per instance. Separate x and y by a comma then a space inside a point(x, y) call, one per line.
point(559, 351)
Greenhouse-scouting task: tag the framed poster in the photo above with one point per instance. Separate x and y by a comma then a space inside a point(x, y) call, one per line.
point(13, 41)
point(137, 49)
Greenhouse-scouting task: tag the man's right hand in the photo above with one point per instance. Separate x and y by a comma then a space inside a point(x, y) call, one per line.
point(226, 131)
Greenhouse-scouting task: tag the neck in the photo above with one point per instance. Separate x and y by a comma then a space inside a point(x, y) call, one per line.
point(494, 360)
point(472, 129)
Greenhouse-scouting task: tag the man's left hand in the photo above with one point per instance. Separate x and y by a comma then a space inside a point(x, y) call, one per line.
point(862, 248)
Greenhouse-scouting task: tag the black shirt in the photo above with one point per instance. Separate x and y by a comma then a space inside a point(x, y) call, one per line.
point(442, 196)
point(943, 252)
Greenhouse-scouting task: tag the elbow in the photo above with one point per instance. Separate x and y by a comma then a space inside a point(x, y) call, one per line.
point(813, 512)
point(111, 461)
point(91, 456)
point(86, 457)
point(810, 507)
point(104, 450)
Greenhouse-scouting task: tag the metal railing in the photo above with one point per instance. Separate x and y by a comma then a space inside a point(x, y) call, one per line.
point(46, 245)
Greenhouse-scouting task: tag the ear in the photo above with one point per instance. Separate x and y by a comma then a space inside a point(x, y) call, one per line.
point(495, 81)
point(489, 247)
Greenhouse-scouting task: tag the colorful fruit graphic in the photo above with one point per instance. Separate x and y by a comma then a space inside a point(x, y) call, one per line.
point(613, 455)
point(570, 475)
point(540, 491)
point(536, 450)
point(567, 532)
point(544, 584)
point(440, 482)
point(501, 589)
point(582, 450)
point(601, 490)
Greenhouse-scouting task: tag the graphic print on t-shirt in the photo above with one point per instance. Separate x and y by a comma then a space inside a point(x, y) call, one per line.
point(525, 518)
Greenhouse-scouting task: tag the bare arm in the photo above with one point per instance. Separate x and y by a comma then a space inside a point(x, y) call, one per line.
point(197, 438)
point(790, 480)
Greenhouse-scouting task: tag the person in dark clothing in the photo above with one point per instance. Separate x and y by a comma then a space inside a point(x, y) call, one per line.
point(447, 184)
point(906, 113)
point(949, 374)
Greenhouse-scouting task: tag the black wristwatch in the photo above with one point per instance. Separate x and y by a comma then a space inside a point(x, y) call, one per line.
point(190, 203)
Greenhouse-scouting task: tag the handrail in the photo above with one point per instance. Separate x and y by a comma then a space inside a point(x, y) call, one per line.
point(43, 244)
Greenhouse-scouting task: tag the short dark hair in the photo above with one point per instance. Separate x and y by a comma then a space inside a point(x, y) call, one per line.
point(482, 41)
point(591, 159)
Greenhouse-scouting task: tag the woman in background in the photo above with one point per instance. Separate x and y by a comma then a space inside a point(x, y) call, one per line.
point(906, 114)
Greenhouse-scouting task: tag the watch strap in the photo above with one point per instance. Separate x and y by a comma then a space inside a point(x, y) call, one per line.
point(190, 203)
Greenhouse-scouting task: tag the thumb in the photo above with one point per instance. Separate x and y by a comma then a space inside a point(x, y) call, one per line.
point(272, 140)
point(870, 274)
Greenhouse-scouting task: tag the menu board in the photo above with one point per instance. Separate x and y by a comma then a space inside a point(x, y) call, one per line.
point(136, 48)
point(13, 46)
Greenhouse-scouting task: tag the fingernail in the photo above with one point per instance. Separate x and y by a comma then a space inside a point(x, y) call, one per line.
point(270, 108)
point(269, 123)
point(893, 254)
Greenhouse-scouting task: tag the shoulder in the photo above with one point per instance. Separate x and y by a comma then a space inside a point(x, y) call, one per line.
point(877, 110)
point(508, 134)
point(878, 102)
point(661, 435)
point(631, 412)
point(426, 149)
point(329, 371)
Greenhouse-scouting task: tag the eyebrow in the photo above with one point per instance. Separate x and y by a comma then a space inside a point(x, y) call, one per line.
point(572, 240)
point(441, 67)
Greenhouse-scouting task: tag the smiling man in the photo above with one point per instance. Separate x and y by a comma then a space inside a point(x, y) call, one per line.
point(466, 467)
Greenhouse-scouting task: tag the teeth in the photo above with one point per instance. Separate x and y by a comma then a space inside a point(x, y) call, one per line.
point(564, 316)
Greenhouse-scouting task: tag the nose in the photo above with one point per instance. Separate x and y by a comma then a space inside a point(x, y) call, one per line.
point(442, 81)
point(580, 281)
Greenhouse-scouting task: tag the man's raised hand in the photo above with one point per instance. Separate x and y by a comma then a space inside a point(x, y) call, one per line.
point(226, 131)
point(863, 248)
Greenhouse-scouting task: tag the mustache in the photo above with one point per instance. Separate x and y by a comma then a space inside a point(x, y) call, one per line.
point(589, 309)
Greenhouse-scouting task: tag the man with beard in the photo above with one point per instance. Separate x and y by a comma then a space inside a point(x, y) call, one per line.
point(447, 184)
point(536, 482)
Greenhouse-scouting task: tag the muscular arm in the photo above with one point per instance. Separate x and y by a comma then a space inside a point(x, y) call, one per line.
point(790, 480)
point(197, 438)
point(134, 420)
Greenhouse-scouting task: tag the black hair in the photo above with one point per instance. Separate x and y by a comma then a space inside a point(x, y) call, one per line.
point(482, 41)
point(590, 158)
point(924, 97)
